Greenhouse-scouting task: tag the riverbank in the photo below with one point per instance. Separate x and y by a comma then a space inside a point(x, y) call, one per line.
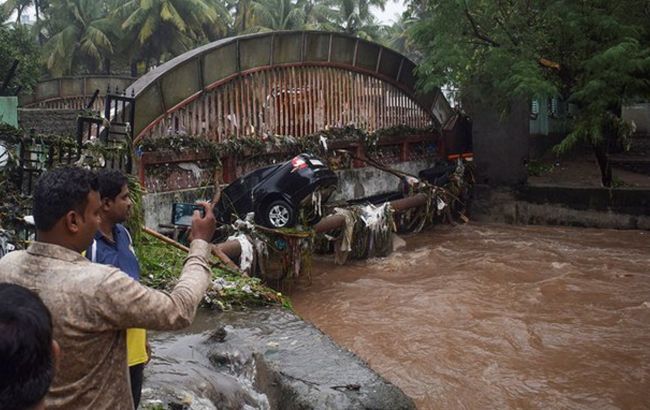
point(566, 190)
point(264, 358)
point(591, 207)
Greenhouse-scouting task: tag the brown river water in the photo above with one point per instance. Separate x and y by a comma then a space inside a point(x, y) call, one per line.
point(496, 316)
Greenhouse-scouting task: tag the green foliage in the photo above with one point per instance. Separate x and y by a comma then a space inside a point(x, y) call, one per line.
point(538, 168)
point(13, 203)
point(596, 128)
point(136, 219)
point(10, 6)
point(270, 15)
point(397, 37)
point(506, 47)
point(88, 36)
point(49, 151)
point(161, 265)
point(595, 55)
point(81, 37)
point(165, 28)
point(284, 144)
point(352, 17)
point(16, 44)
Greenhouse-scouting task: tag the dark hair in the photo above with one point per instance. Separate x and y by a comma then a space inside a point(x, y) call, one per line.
point(111, 182)
point(26, 364)
point(60, 191)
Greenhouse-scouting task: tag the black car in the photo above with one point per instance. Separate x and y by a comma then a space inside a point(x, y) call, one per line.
point(275, 193)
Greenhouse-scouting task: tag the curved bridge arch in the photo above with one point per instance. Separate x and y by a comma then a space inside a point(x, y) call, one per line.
point(291, 83)
point(73, 92)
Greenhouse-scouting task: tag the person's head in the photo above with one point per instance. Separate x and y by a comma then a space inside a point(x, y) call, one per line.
point(66, 207)
point(28, 354)
point(114, 193)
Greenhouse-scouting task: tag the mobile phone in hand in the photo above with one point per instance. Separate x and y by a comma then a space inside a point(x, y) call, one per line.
point(182, 213)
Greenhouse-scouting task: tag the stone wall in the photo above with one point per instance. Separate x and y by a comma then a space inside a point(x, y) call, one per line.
point(46, 121)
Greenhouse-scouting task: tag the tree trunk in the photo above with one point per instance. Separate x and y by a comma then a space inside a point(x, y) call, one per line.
point(602, 156)
point(20, 13)
point(37, 8)
point(134, 68)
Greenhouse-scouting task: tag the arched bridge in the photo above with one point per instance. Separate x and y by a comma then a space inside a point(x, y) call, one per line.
point(286, 83)
point(73, 93)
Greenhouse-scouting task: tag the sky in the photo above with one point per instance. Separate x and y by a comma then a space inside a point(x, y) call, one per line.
point(391, 13)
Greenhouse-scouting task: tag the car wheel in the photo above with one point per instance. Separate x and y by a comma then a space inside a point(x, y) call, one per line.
point(279, 214)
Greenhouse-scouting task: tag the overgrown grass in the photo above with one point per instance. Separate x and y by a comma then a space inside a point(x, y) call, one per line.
point(537, 168)
point(161, 266)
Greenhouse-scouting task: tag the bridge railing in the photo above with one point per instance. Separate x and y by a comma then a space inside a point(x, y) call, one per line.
point(167, 170)
point(73, 92)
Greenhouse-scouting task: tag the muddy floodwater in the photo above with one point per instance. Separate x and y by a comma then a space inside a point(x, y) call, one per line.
point(495, 316)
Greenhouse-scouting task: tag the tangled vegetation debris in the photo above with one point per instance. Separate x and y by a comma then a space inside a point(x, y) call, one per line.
point(161, 265)
point(277, 255)
point(283, 145)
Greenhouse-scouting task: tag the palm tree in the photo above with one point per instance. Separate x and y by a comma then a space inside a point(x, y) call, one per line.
point(357, 19)
point(162, 28)
point(242, 15)
point(397, 37)
point(18, 6)
point(81, 37)
point(319, 15)
point(221, 27)
point(277, 15)
point(353, 17)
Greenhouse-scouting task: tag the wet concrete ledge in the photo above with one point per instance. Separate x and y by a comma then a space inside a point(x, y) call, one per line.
point(622, 208)
point(269, 353)
point(631, 201)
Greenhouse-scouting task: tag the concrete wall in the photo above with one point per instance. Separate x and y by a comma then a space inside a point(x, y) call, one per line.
point(501, 141)
point(45, 121)
point(368, 181)
point(640, 114)
point(539, 144)
point(158, 206)
point(582, 207)
point(632, 201)
point(353, 183)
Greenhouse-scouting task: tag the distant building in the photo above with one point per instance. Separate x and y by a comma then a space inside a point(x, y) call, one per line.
point(549, 116)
